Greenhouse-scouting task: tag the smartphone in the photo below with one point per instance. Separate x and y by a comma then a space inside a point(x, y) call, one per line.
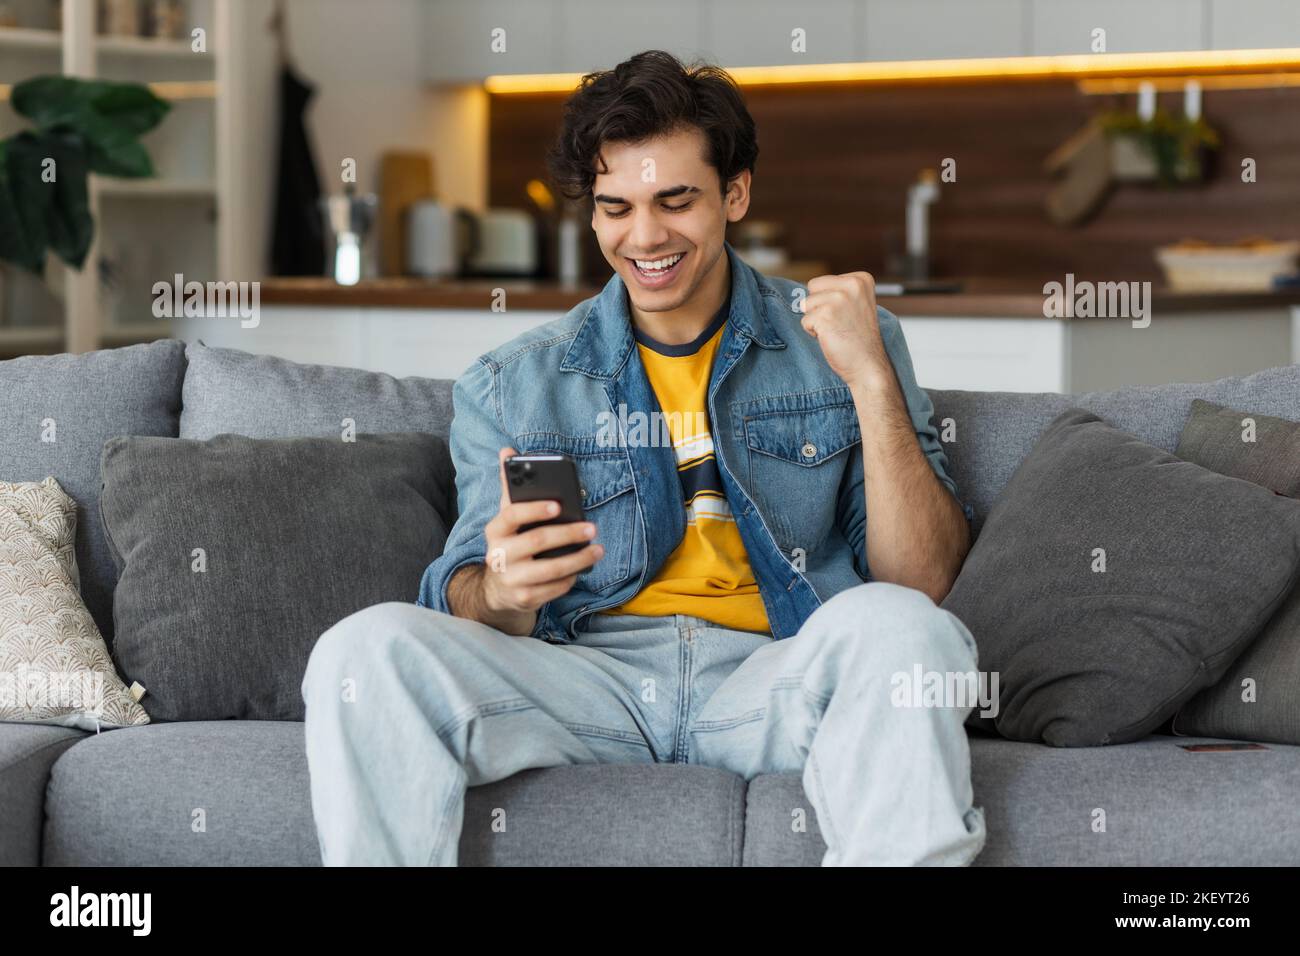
point(547, 478)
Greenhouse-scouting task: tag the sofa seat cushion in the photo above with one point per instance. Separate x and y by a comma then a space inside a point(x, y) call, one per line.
point(27, 753)
point(1163, 806)
point(135, 796)
point(58, 410)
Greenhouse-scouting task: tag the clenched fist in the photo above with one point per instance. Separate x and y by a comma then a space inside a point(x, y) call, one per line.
point(840, 313)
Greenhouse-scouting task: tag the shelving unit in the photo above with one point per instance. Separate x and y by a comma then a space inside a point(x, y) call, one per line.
point(145, 230)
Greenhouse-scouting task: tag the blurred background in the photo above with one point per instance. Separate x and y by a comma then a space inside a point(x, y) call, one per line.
point(378, 169)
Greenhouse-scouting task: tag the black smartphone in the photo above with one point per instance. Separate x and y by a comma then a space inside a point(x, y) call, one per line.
point(547, 478)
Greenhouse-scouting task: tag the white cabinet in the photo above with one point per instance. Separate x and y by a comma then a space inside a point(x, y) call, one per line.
point(944, 29)
point(575, 36)
point(989, 354)
point(1066, 26)
point(1253, 24)
point(762, 32)
point(463, 42)
point(597, 34)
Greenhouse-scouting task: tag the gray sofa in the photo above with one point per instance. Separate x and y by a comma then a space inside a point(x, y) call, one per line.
point(126, 796)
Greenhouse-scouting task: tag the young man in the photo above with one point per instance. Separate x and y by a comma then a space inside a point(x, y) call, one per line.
point(716, 613)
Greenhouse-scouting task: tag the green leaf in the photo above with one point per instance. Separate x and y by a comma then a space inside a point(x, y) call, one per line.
point(15, 243)
point(109, 116)
point(68, 221)
point(127, 160)
point(129, 109)
point(83, 126)
point(32, 198)
point(132, 107)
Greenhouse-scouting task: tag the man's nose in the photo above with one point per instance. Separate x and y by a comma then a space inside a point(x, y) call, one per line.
point(648, 234)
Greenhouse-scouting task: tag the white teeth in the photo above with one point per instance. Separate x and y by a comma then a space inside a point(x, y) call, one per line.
point(657, 265)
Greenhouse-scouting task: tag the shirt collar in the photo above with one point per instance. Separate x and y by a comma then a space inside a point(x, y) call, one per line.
point(604, 340)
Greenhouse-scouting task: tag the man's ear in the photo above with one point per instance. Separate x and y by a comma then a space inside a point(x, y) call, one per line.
point(737, 197)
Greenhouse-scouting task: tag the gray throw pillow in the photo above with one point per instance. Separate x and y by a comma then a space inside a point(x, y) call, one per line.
point(1194, 565)
point(237, 553)
point(294, 399)
point(56, 412)
point(1259, 696)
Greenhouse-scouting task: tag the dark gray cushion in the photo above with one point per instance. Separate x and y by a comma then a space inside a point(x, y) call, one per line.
point(992, 432)
point(1195, 564)
point(1259, 696)
point(135, 390)
point(296, 534)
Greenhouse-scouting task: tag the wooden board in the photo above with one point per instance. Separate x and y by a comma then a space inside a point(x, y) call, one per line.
point(404, 177)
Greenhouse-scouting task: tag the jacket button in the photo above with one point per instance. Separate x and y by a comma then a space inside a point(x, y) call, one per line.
point(809, 450)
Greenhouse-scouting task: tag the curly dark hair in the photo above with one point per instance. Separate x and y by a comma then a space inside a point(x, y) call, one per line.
point(648, 95)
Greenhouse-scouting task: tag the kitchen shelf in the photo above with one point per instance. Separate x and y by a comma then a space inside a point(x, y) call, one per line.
point(145, 47)
point(19, 338)
point(157, 189)
point(133, 332)
point(25, 38)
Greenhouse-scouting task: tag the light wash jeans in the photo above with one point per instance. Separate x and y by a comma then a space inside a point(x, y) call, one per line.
point(406, 707)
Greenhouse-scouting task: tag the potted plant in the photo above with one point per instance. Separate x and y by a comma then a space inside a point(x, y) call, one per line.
point(79, 127)
point(1167, 147)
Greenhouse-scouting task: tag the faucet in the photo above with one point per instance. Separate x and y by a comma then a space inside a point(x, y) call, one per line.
point(920, 195)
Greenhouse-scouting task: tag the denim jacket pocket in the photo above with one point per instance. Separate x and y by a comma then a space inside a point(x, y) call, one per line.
point(797, 453)
point(606, 484)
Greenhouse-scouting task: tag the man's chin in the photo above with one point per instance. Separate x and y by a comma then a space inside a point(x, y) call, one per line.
point(664, 301)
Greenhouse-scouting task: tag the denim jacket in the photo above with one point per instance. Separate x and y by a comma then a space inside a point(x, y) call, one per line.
point(785, 431)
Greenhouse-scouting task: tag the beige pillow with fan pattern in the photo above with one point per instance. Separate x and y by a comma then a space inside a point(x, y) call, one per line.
point(54, 665)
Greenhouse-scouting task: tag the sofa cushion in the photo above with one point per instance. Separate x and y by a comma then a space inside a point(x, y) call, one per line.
point(1149, 803)
point(238, 553)
point(132, 798)
point(1112, 581)
point(56, 411)
point(992, 432)
point(1259, 696)
point(27, 753)
point(295, 399)
point(54, 666)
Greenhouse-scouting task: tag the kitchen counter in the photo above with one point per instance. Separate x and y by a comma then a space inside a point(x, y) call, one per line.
point(980, 298)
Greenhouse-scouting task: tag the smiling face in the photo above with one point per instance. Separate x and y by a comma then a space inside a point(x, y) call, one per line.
point(660, 216)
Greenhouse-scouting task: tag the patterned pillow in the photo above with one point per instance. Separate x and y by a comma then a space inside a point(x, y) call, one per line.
point(54, 665)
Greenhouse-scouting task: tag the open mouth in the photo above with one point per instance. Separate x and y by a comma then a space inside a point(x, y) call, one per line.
point(654, 273)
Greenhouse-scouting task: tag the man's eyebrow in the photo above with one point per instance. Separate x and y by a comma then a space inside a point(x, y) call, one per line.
point(668, 193)
point(676, 191)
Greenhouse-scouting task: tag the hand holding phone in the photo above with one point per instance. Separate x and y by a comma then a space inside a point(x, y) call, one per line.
point(538, 542)
point(547, 478)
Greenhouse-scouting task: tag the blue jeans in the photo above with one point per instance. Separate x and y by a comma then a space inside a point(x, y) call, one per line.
point(406, 707)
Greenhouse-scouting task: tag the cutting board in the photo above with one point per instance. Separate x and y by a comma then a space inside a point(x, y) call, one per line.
point(404, 177)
